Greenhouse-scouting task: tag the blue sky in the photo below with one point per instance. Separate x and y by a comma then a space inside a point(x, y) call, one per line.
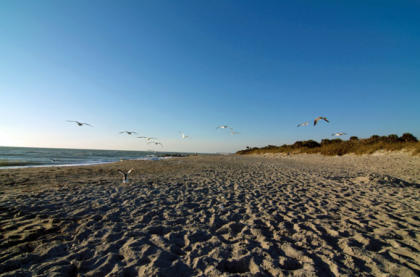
point(160, 67)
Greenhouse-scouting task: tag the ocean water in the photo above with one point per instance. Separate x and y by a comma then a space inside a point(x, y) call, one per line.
point(16, 157)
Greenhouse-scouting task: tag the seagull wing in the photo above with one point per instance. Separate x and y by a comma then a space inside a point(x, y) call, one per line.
point(325, 119)
point(75, 121)
point(87, 124)
point(121, 172)
point(131, 170)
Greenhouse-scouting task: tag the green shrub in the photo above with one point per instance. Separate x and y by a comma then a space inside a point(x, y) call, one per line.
point(298, 144)
point(407, 137)
point(392, 138)
point(339, 147)
point(310, 144)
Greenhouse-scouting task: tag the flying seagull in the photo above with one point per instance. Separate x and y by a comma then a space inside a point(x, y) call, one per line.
point(155, 143)
point(303, 124)
point(319, 118)
point(338, 134)
point(128, 132)
point(147, 138)
point(222, 127)
point(125, 175)
point(80, 123)
point(183, 135)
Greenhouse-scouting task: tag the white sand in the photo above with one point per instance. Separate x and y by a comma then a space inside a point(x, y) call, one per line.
point(303, 215)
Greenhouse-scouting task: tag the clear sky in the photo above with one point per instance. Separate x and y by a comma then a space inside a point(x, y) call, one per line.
point(160, 67)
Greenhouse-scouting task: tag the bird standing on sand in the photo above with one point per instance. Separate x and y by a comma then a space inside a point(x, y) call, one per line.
point(338, 134)
point(319, 118)
point(303, 124)
point(125, 175)
point(128, 132)
point(79, 123)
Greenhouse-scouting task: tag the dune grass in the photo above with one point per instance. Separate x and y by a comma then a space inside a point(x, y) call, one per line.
point(340, 147)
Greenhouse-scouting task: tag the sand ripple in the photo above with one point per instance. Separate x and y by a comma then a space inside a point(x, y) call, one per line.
point(211, 216)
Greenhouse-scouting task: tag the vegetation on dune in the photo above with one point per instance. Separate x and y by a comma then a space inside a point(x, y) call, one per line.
point(340, 147)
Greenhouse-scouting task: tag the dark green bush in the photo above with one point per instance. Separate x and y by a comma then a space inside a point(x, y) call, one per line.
point(392, 138)
point(407, 137)
point(325, 142)
point(339, 147)
point(298, 144)
point(310, 144)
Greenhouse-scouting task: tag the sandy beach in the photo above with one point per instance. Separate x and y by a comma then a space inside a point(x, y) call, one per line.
point(272, 215)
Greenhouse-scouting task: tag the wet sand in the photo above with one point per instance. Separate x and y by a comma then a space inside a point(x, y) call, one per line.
point(273, 215)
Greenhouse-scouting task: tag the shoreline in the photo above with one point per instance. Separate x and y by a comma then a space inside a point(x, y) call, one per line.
point(18, 157)
point(81, 164)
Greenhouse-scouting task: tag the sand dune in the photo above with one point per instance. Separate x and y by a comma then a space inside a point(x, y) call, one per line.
point(304, 215)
